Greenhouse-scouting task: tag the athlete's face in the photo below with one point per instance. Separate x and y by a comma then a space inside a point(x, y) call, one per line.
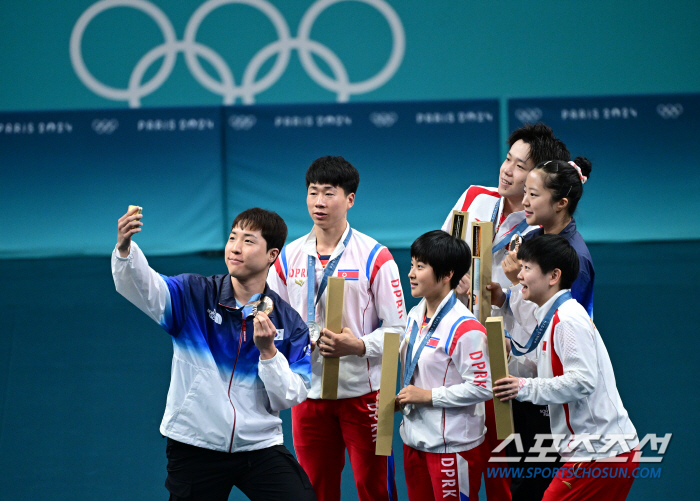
point(423, 281)
point(246, 253)
point(511, 181)
point(328, 205)
point(539, 207)
point(538, 287)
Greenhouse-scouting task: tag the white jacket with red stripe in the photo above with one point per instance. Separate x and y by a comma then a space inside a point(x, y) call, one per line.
point(455, 365)
point(576, 379)
point(480, 203)
point(373, 303)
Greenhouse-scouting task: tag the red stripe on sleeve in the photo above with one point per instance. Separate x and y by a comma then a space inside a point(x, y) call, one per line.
point(475, 191)
point(383, 256)
point(280, 272)
point(558, 368)
point(463, 328)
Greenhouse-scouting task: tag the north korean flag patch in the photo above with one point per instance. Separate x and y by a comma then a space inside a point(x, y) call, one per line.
point(349, 274)
point(432, 342)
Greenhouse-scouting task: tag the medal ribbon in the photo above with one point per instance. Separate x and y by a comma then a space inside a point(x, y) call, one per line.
point(412, 361)
point(539, 330)
point(247, 309)
point(507, 237)
point(311, 280)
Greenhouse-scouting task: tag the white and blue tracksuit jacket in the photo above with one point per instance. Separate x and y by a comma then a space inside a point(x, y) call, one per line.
point(221, 396)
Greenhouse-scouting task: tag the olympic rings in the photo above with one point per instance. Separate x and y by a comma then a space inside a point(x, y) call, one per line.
point(528, 115)
point(667, 111)
point(225, 86)
point(105, 125)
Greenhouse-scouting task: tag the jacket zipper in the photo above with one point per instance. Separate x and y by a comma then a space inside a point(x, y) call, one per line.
point(240, 340)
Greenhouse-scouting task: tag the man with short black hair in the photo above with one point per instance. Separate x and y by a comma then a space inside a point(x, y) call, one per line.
point(373, 305)
point(574, 378)
point(240, 355)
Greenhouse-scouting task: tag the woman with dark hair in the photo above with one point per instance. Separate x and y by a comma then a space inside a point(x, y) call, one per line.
point(552, 193)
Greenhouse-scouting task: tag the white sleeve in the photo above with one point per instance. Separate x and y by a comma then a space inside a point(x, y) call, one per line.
point(275, 281)
point(140, 284)
point(575, 344)
point(284, 387)
point(391, 307)
point(471, 358)
point(522, 310)
point(524, 366)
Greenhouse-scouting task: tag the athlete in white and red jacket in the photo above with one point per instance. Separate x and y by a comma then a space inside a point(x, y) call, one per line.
point(373, 304)
point(574, 377)
point(529, 145)
point(445, 377)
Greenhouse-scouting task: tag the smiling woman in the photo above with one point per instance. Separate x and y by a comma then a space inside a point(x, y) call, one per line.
point(552, 193)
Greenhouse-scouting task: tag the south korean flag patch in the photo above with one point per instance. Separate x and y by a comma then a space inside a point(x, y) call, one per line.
point(280, 335)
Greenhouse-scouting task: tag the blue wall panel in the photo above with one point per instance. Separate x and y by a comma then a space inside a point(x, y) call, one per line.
point(414, 159)
point(68, 176)
point(644, 181)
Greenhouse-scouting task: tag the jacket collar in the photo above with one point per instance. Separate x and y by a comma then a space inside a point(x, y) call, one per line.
point(228, 300)
point(420, 309)
point(567, 232)
point(310, 244)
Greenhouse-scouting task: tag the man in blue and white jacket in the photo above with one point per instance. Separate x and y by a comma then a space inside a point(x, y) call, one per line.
point(234, 365)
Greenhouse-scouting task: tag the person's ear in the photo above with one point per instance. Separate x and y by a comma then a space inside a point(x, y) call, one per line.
point(554, 276)
point(446, 279)
point(272, 255)
point(351, 200)
point(562, 204)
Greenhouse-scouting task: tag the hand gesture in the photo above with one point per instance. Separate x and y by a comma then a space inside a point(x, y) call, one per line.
point(340, 345)
point(264, 336)
point(511, 266)
point(464, 286)
point(498, 297)
point(507, 388)
point(413, 395)
point(129, 224)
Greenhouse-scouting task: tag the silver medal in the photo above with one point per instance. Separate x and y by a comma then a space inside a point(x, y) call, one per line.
point(406, 409)
point(515, 243)
point(314, 331)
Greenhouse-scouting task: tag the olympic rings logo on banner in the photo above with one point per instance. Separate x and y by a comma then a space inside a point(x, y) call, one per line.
point(105, 125)
point(250, 85)
point(383, 119)
point(667, 111)
point(528, 115)
point(242, 122)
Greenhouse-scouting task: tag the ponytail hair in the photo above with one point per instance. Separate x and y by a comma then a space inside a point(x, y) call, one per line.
point(566, 179)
